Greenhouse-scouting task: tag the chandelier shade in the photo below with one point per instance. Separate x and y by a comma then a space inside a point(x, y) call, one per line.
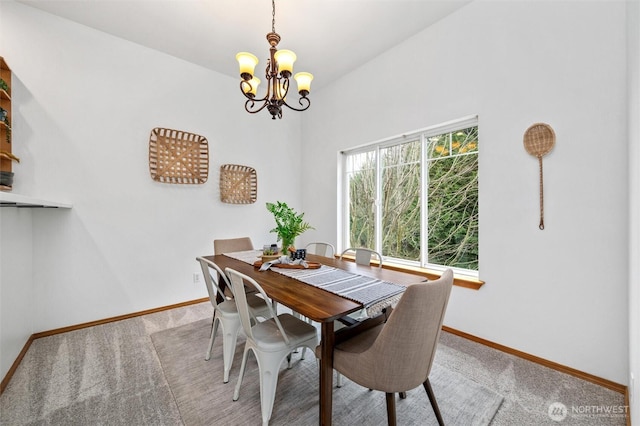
point(304, 82)
point(247, 63)
point(285, 60)
point(277, 73)
point(251, 88)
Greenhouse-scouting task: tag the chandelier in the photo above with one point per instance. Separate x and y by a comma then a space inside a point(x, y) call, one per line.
point(278, 74)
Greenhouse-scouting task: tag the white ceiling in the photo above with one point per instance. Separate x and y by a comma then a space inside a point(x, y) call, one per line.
point(330, 37)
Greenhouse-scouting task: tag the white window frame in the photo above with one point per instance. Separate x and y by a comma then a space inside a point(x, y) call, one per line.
point(343, 188)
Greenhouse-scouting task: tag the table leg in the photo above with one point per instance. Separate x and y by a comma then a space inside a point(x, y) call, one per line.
point(326, 373)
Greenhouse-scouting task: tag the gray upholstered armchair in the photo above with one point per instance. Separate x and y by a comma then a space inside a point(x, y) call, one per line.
point(396, 356)
point(232, 244)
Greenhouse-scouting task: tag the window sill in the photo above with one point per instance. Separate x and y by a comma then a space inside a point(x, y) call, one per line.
point(458, 280)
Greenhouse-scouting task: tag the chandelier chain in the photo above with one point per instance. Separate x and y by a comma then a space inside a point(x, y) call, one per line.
point(273, 16)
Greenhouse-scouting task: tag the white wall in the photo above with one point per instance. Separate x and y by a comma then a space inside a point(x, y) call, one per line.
point(560, 294)
point(84, 104)
point(16, 289)
point(633, 75)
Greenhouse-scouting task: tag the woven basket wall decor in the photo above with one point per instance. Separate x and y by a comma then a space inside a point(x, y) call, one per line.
point(238, 184)
point(178, 157)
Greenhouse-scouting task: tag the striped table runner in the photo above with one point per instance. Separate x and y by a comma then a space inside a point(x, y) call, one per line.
point(374, 294)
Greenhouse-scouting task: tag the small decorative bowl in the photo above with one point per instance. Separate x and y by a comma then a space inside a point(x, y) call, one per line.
point(269, 257)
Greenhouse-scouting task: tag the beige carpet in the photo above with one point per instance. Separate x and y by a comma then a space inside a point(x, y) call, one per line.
point(203, 399)
point(110, 374)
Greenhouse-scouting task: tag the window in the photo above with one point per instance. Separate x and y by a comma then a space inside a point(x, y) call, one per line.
point(414, 198)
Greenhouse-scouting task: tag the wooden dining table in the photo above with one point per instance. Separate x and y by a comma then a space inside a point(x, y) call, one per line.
point(317, 304)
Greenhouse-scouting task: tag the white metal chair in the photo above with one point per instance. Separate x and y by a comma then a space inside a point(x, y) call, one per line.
point(271, 342)
point(364, 255)
point(225, 313)
point(321, 249)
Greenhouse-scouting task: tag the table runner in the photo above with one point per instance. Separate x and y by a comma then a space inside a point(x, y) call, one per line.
point(373, 293)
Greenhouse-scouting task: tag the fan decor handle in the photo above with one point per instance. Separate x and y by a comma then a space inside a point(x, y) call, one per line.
point(541, 226)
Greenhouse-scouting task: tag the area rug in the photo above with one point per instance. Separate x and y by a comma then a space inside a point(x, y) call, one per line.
point(203, 399)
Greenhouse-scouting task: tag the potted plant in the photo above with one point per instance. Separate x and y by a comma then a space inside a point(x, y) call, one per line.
point(289, 224)
point(270, 253)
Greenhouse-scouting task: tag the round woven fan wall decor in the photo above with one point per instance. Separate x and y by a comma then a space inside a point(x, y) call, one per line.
point(539, 140)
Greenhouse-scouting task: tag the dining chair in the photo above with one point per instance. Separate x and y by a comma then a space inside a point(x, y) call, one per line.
point(396, 356)
point(363, 255)
point(230, 245)
point(225, 313)
point(321, 248)
point(271, 341)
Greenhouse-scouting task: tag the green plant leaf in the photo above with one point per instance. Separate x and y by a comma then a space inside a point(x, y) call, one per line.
point(289, 224)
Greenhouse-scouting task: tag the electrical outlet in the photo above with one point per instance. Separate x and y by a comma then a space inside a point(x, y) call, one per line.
point(196, 278)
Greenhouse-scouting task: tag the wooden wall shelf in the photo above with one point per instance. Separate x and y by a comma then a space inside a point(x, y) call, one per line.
point(5, 127)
